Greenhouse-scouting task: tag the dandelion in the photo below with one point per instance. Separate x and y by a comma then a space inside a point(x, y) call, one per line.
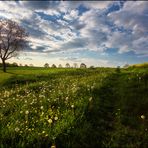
point(17, 129)
point(26, 112)
point(53, 146)
point(49, 121)
point(72, 106)
point(55, 118)
point(142, 117)
point(66, 98)
point(90, 99)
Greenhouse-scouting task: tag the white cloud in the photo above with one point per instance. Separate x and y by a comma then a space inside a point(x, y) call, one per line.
point(132, 17)
point(97, 4)
point(59, 26)
point(72, 15)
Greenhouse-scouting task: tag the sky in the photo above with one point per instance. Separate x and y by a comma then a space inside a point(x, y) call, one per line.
point(98, 33)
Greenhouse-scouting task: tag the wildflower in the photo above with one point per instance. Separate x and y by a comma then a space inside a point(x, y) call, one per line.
point(26, 112)
point(49, 121)
point(72, 106)
point(90, 98)
point(55, 118)
point(142, 117)
point(42, 107)
point(53, 146)
point(66, 98)
point(17, 129)
point(43, 132)
point(21, 112)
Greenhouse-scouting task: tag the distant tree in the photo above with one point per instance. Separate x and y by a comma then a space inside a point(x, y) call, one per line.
point(46, 65)
point(14, 64)
point(75, 65)
point(60, 66)
point(126, 66)
point(31, 65)
point(91, 67)
point(54, 66)
point(13, 39)
point(26, 65)
point(118, 69)
point(20, 65)
point(67, 65)
point(82, 65)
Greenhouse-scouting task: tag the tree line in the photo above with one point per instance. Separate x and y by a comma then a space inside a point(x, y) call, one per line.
point(75, 65)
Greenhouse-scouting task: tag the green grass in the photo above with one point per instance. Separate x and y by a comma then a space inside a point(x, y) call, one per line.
point(74, 108)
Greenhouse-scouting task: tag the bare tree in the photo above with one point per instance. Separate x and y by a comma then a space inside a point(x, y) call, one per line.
point(13, 39)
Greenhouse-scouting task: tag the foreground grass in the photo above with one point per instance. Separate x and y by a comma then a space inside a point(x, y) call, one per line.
point(74, 108)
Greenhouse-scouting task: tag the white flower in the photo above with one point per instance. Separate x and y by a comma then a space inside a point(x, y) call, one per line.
point(142, 117)
point(42, 107)
point(17, 129)
point(56, 118)
point(66, 98)
point(50, 121)
point(90, 99)
point(72, 106)
point(26, 112)
point(53, 146)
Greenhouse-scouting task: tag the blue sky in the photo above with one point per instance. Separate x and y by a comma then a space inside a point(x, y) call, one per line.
point(99, 33)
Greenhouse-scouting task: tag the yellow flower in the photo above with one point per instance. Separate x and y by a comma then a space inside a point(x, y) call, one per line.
point(142, 117)
point(72, 106)
point(26, 112)
point(90, 98)
point(55, 118)
point(50, 121)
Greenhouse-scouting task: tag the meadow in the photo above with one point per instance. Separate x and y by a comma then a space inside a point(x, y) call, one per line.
point(74, 108)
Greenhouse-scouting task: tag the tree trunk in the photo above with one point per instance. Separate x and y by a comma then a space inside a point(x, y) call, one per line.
point(4, 65)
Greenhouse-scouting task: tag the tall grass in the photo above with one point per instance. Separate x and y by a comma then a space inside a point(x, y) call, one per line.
point(74, 108)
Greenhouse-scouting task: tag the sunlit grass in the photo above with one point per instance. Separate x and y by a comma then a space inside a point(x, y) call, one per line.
point(64, 107)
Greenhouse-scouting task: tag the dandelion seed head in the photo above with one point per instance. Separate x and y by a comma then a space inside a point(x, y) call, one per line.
point(142, 117)
point(49, 121)
point(26, 112)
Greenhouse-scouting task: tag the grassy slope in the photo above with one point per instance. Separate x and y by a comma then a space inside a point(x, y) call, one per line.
point(111, 119)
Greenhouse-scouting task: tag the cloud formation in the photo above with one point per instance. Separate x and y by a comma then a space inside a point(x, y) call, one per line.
point(56, 26)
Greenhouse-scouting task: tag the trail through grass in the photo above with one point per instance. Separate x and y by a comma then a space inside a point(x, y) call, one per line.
point(74, 108)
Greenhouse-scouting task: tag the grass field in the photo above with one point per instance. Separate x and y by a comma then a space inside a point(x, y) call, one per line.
point(74, 108)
